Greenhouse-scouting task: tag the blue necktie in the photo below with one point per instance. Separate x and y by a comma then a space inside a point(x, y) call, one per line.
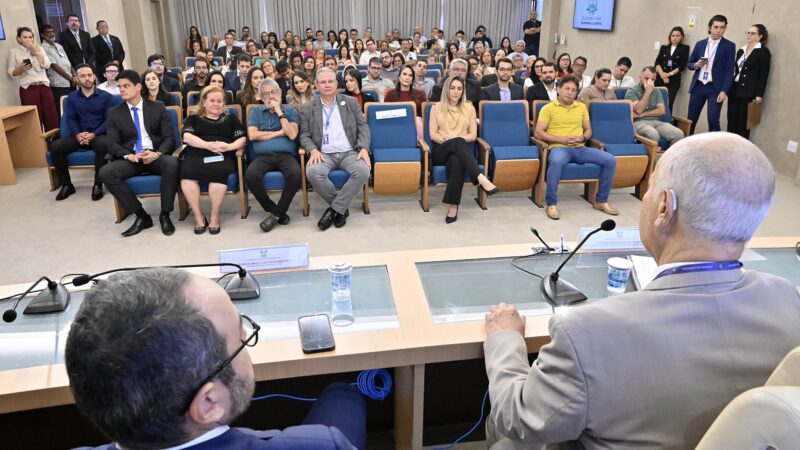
point(110, 47)
point(138, 148)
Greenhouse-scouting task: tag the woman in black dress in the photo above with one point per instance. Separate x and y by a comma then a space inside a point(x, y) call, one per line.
point(670, 62)
point(749, 78)
point(154, 91)
point(212, 137)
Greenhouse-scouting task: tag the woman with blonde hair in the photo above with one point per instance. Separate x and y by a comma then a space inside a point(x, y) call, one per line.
point(302, 90)
point(212, 136)
point(453, 127)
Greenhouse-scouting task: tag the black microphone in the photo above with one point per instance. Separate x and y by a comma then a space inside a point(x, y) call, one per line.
point(53, 299)
point(243, 287)
point(547, 247)
point(560, 292)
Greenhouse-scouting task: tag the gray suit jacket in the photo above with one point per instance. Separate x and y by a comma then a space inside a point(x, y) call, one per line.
point(353, 121)
point(648, 370)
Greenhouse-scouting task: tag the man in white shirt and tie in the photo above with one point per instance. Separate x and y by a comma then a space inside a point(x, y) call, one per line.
point(713, 62)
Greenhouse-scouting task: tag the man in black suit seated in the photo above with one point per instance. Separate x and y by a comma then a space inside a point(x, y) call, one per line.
point(503, 89)
point(459, 68)
point(158, 359)
point(545, 89)
point(228, 51)
point(76, 42)
point(107, 49)
point(140, 140)
point(169, 80)
point(235, 79)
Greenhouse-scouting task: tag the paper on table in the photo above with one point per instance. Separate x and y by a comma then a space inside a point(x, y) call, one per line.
point(644, 270)
point(618, 239)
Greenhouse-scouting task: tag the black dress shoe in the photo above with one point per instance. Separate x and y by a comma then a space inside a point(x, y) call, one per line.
point(269, 223)
point(493, 191)
point(341, 219)
point(326, 220)
point(284, 219)
point(141, 223)
point(66, 191)
point(201, 230)
point(166, 225)
point(449, 219)
point(97, 192)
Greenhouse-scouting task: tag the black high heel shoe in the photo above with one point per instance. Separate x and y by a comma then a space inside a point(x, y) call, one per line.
point(493, 191)
point(449, 219)
point(201, 230)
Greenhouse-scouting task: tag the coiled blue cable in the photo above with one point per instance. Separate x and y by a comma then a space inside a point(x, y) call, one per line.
point(366, 384)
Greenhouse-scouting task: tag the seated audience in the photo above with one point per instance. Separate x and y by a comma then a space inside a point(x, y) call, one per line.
point(339, 140)
point(310, 66)
point(486, 65)
point(648, 107)
point(563, 65)
point(86, 117)
point(564, 126)
point(358, 50)
point(369, 53)
point(389, 69)
point(302, 91)
point(405, 50)
point(352, 87)
point(308, 48)
point(140, 140)
point(235, 79)
point(345, 57)
point(168, 80)
point(249, 95)
point(519, 49)
point(578, 70)
point(268, 67)
point(453, 127)
point(198, 81)
point(611, 379)
point(375, 79)
point(180, 371)
point(422, 82)
point(546, 89)
point(620, 76)
point(344, 39)
point(194, 36)
point(110, 85)
point(228, 52)
point(404, 91)
point(217, 79)
point(598, 89)
point(251, 49)
point(273, 129)
point(535, 66)
point(504, 89)
point(211, 137)
point(505, 45)
point(283, 76)
point(153, 90)
point(333, 41)
point(398, 61)
point(458, 68)
point(319, 57)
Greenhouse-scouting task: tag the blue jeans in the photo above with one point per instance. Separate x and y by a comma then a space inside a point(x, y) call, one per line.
point(557, 159)
point(702, 94)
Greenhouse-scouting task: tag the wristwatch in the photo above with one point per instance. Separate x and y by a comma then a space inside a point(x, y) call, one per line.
point(282, 116)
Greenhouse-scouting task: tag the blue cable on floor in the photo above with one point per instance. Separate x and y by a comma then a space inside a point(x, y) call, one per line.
point(366, 384)
point(474, 427)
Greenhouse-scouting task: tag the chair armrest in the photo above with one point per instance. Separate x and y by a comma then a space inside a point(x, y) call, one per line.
point(539, 143)
point(597, 144)
point(50, 133)
point(240, 152)
point(424, 146)
point(651, 145)
point(681, 119)
point(302, 152)
point(683, 124)
point(483, 145)
point(178, 152)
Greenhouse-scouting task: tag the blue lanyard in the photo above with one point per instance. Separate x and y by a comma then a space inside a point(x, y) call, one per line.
point(701, 267)
point(327, 114)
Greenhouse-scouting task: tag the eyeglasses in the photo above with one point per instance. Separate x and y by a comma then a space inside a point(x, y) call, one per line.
point(504, 70)
point(251, 330)
point(112, 71)
point(538, 66)
point(752, 33)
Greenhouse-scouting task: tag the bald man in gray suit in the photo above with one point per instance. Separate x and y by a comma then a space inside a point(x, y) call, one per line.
point(652, 369)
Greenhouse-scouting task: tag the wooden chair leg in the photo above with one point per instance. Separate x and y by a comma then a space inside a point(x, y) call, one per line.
point(183, 208)
point(365, 205)
point(244, 206)
point(51, 174)
point(118, 210)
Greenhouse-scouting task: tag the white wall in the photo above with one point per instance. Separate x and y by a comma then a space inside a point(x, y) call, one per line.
point(15, 14)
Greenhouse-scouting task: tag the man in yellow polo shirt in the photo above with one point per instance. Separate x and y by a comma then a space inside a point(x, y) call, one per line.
point(564, 125)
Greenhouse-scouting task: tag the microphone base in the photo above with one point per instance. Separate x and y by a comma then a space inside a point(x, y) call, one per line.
point(49, 301)
point(241, 288)
point(560, 292)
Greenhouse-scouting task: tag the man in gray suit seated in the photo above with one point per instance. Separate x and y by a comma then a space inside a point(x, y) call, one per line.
point(336, 136)
point(653, 369)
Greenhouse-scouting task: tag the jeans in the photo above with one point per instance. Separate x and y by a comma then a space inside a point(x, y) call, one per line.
point(557, 159)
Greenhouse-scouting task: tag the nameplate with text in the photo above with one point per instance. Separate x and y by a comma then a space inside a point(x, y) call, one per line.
point(390, 113)
point(265, 258)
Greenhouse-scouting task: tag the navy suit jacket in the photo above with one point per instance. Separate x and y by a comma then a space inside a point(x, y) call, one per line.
point(169, 83)
point(722, 71)
point(492, 92)
point(232, 81)
point(318, 437)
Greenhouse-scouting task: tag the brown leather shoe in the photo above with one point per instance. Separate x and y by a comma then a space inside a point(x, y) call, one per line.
point(552, 212)
point(606, 208)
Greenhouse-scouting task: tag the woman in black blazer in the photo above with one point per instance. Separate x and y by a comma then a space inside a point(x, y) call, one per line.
point(749, 79)
point(670, 62)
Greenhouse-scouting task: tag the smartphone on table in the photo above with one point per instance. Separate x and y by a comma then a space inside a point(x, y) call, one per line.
point(316, 334)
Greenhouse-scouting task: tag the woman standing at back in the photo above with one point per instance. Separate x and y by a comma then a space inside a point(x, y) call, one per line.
point(453, 127)
point(670, 62)
point(749, 79)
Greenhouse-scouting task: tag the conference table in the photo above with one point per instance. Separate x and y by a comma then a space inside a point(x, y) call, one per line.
point(21, 143)
point(411, 308)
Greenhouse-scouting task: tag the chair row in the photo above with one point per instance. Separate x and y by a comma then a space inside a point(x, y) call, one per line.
point(505, 151)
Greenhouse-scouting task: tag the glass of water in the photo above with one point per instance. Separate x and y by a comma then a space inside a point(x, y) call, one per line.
point(341, 306)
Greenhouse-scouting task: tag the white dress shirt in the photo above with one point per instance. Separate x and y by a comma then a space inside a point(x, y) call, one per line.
point(337, 139)
point(147, 143)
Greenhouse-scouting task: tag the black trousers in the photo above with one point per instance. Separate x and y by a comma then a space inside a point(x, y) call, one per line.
point(737, 115)
point(114, 174)
point(673, 87)
point(57, 93)
point(65, 145)
point(457, 156)
point(254, 176)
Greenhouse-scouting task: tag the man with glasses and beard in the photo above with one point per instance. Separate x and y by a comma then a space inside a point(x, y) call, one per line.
point(185, 334)
point(459, 68)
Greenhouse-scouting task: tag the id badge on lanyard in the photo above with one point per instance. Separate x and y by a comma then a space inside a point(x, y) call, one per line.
point(669, 63)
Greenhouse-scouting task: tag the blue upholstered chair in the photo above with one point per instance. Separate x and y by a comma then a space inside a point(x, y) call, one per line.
point(587, 174)
point(437, 175)
point(80, 159)
point(682, 123)
point(612, 130)
point(149, 185)
point(331, 52)
point(435, 74)
point(396, 154)
point(505, 136)
point(437, 66)
point(235, 184)
point(178, 98)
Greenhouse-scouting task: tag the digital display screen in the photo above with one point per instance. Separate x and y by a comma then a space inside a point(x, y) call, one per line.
point(593, 15)
point(2, 29)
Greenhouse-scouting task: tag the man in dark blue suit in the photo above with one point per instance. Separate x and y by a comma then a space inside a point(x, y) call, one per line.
point(235, 79)
point(158, 358)
point(713, 61)
point(504, 88)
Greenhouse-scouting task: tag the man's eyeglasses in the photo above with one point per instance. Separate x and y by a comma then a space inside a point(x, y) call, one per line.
point(112, 71)
point(251, 330)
